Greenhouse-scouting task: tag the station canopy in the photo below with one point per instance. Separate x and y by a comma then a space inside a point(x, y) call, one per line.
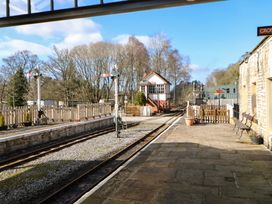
point(20, 12)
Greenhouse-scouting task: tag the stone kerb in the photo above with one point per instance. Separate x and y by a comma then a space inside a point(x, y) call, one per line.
point(26, 140)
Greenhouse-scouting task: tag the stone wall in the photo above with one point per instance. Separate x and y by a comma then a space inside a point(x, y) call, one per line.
point(255, 87)
point(31, 139)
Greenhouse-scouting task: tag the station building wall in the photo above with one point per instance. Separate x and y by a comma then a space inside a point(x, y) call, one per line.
point(255, 88)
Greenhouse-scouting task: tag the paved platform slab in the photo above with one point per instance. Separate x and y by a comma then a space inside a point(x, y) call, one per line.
point(198, 164)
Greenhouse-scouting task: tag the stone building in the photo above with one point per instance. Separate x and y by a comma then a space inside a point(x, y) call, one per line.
point(255, 88)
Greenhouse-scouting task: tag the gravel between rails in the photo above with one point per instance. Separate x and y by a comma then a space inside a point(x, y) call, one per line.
point(23, 183)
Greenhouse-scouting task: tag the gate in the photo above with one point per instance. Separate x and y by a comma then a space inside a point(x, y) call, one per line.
point(214, 114)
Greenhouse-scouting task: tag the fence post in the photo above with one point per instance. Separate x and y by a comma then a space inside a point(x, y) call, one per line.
point(78, 112)
point(92, 106)
point(13, 116)
point(86, 112)
point(228, 116)
point(71, 119)
point(61, 113)
point(52, 113)
point(99, 109)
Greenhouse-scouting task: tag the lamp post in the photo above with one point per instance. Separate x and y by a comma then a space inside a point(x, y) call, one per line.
point(115, 76)
point(37, 75)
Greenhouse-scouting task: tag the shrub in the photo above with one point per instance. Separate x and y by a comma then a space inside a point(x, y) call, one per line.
point(140, 99)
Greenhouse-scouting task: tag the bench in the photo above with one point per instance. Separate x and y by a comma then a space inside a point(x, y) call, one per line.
point(237, 121)
point(244, 124)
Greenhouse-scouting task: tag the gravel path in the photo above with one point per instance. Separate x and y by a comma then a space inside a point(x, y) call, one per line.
point(23, 183)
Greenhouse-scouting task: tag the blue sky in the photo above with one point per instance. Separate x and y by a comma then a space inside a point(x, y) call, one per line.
point(213, 35)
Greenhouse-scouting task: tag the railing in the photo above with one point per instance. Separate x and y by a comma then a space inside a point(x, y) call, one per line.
point(212, 114)
point(213, 107)
point(19, 116)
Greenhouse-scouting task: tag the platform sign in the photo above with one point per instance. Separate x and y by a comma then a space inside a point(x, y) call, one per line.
point(218, 92)
point(264, 31)
point(105, 75)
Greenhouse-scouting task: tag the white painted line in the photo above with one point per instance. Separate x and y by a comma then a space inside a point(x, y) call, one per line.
point(99, 185)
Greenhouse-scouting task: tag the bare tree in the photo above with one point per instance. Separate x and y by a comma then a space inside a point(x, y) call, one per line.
point(137, 63)
point(76, 73)
point(159, 51)
point(91, 61)
point(62, 68)
point(178, 69)
point(24, 60)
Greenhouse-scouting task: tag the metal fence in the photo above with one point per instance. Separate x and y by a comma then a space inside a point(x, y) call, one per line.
point(20, 116)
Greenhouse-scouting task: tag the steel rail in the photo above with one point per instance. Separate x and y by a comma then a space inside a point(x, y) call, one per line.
point(89, 178)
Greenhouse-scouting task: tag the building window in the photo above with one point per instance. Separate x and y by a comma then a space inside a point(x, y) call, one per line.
point(151, 89)
point(160, 88)
point(234, 90)
point(228, 90)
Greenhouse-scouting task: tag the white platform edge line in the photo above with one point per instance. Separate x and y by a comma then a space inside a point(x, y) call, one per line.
point(99, 185)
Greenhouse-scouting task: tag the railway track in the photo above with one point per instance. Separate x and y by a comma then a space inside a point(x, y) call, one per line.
point(22, 157)
point(88, 178)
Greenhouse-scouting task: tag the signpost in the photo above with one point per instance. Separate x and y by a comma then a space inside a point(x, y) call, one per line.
point(218, 92)
point(264, 31)
point(115, 76)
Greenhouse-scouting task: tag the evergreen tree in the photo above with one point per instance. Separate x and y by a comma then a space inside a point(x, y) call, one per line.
point(140, 99)
point(18, 89)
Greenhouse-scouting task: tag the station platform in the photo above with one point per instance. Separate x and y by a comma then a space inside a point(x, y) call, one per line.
point(22, 138)
point(198, 164)
point(17, 132)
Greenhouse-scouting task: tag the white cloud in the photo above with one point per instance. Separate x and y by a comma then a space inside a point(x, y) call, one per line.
point(199, 72)
point(197, 68)
point(10, 46)
point(123, 39)
point(79, 39)
point(65, 34)
point(59, 28)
